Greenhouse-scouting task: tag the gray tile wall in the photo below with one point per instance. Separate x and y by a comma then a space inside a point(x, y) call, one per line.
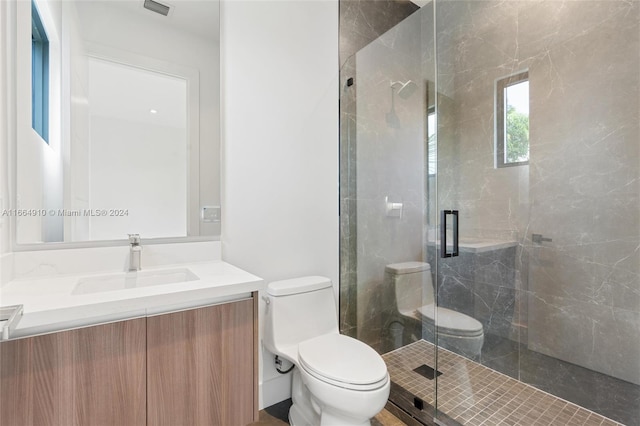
point(363, 21)
point(481, 285)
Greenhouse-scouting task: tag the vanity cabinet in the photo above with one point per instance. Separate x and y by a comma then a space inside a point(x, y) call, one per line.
point(194, 367)
point(200, 366)
point(89, 376)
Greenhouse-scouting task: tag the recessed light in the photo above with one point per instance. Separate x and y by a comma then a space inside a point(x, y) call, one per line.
point(153, 111)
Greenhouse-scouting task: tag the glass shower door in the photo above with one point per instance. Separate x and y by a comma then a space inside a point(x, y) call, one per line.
point(538, 144)
point(388, 88)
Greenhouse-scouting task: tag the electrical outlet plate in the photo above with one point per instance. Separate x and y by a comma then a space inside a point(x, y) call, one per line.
point(211, 214)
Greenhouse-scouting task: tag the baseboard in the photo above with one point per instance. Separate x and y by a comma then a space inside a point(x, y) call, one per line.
point(275, 390)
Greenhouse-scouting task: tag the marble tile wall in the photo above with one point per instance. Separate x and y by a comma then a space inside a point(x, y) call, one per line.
point(363, 21)
point(582, 185)
point(481, 285)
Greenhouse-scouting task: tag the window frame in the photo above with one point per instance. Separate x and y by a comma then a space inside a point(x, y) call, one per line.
point(432, 148)
point(500, 118)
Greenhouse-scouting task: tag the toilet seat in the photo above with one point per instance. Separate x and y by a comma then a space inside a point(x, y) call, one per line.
point(451, 322)
point(343, 361)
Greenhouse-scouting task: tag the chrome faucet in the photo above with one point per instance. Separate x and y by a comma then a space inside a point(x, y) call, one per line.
point(135, 251)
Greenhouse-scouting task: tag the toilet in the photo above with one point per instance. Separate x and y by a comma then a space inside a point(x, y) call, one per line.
point(338, 380)
point(414, 294)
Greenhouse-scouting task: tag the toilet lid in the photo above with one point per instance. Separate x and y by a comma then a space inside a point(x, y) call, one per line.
point(342, 359)
point(451, 322)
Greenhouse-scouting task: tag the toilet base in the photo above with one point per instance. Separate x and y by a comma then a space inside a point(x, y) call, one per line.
point(298, 418)
point(301, 412)
point(412, 329)
point(306, 411)
point(469, 347)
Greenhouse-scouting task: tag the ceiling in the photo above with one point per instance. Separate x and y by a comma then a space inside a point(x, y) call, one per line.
point(197, 17)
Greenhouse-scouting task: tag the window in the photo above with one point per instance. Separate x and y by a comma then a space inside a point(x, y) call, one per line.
point(39, 76)
point(431, 142)
point(512, 120)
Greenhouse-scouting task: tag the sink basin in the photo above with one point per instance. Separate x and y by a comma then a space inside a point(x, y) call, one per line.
point(138, 279)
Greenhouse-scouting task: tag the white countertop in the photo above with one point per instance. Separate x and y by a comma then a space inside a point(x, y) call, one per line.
point(49, 304)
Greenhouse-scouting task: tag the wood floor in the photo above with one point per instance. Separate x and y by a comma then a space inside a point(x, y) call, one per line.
point(266, 419)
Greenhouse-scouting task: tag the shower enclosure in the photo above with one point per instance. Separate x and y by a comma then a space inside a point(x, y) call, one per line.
point(517, 123)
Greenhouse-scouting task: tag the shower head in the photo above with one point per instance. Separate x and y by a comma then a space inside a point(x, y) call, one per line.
point(406, 89)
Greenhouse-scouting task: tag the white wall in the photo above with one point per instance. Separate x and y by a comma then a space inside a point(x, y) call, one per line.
point(39, 180)
point(280, 145)
point(5, 102)
point(7, 97)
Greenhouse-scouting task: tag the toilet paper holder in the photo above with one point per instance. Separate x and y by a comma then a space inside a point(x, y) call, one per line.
point(393, 208)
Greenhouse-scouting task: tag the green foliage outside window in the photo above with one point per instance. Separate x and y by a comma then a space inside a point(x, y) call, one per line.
point(517, 136)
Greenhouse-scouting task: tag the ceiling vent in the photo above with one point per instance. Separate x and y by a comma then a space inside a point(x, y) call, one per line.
point(154, 6)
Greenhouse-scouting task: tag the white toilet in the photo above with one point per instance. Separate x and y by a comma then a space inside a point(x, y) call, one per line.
point(338, 380)
point(413, 286)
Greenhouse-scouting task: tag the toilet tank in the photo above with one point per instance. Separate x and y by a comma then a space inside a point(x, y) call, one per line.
point(297, 310)
point(412, 284)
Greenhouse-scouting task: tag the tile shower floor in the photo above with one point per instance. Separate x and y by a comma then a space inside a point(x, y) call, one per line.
point(473, 394)
point(606, 395)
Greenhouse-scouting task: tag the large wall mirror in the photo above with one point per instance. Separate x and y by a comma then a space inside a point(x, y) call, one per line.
point(118, 120)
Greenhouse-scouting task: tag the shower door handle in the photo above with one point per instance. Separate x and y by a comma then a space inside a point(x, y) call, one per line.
point(443, 233)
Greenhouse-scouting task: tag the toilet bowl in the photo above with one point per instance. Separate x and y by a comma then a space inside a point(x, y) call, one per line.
point(414, 293)
point(338, 380)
